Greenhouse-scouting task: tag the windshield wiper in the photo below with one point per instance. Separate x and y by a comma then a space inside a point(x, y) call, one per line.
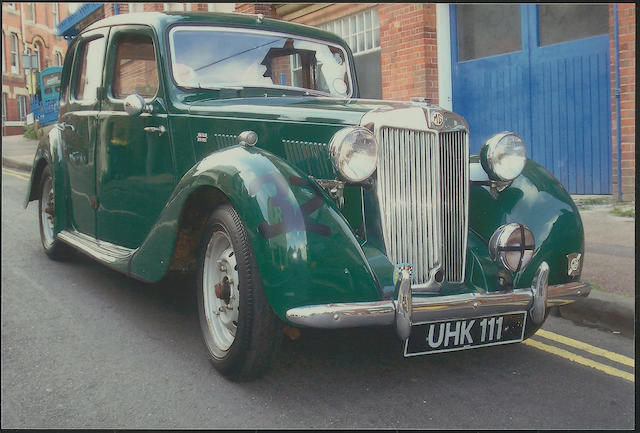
point(236, 54)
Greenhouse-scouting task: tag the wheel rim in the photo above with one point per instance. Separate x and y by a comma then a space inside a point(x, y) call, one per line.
point(221, 303)
point(46, 214)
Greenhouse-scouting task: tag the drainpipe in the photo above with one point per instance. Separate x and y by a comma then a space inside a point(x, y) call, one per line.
point(618, 131)
point(27, 72)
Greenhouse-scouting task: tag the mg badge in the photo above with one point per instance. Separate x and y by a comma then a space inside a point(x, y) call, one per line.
point(574, 263)
point(437, 118)
point(402, 267)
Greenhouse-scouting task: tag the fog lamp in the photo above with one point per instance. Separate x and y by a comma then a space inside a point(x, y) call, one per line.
point(512, 246)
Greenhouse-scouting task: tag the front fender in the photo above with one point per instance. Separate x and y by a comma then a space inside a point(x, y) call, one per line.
point(538, 200)
point(305, 250)
point(49, 153)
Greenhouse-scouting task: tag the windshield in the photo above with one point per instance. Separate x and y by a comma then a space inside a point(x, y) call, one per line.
point(206, 57)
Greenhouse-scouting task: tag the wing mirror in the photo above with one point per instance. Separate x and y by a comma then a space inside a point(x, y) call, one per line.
point(134, 105)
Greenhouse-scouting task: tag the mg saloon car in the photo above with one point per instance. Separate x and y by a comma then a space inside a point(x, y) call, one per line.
point(236, 148)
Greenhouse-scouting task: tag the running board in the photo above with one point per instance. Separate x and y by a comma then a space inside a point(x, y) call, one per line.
point(105, 252)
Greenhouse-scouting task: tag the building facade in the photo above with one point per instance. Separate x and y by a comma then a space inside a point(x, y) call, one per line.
point(546, 71)
point(27, 28)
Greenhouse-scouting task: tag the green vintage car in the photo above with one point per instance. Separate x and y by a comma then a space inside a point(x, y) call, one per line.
point(235, 147)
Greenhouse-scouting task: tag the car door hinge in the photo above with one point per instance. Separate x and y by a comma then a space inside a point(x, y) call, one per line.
point(94, 202)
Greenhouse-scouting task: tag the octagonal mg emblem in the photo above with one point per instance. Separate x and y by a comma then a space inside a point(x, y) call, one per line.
point(573, 261)
point(437, 118)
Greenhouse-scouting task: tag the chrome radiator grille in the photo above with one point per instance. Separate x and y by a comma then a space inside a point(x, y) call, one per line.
point(422, 189)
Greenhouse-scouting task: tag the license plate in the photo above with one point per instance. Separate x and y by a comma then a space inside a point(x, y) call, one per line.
point(450, 335)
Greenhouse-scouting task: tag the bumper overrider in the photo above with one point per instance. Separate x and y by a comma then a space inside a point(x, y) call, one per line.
point(407, 310)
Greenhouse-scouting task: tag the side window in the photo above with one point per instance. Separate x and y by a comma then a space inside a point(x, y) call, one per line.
point(88, 73)
point(135, 70)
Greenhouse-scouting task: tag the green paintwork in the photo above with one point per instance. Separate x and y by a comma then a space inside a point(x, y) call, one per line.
point(538, 200)
point(142, 182)
point(135, 167)
point(298, 267)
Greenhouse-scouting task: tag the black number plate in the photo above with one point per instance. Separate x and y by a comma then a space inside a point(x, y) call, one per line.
point(449, 335)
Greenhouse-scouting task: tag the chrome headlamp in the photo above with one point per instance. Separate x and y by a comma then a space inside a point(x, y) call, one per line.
point(354, 153)
point(503, 156)
point(512, 246)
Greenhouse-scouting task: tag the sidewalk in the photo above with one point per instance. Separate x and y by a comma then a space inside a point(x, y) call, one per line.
point(18, 152)
point(609, 263)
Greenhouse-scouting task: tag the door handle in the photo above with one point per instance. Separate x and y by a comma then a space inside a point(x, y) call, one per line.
point(62, 126)
point(160, 129)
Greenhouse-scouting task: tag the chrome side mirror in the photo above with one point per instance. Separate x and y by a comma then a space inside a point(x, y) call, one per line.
point(134, 105)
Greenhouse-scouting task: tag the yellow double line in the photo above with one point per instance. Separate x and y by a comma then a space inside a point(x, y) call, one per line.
point(14, 173)
point(620, 359)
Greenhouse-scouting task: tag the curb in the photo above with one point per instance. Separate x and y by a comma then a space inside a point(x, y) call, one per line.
point(14, 163)
point(602, 310)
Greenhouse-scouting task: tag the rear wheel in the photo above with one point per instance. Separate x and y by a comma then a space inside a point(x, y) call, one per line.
point(54, 248)
point(239, 328)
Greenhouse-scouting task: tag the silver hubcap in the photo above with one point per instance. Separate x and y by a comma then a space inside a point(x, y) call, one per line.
point(46, 214)
point(220, 292)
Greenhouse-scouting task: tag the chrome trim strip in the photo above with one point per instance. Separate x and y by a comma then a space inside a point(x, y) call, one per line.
point(427, 309)
point(105, 252)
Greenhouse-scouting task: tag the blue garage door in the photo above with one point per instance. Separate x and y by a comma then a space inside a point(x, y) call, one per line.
point(541, 71)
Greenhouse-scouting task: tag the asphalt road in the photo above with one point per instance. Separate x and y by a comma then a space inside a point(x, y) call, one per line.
point(86, 347)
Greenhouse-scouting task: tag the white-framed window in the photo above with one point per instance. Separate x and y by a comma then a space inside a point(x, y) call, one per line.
point(58, 57)
point(4, 61)
point(136, 7)
point(31, 12)
point(56, 14)
point(187, 7)
point(37, 49)
point(22, 107)
point(4, 108)
point(361, 31)
point(15, 66)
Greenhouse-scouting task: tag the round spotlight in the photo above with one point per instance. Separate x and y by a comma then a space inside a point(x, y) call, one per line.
point(512, 246)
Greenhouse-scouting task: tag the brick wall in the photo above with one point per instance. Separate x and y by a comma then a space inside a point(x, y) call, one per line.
point(627, 38)
point(409, 53)
point(266, 9)
point(153, 7)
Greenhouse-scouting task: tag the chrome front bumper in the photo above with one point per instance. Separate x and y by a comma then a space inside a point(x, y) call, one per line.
point(406, 310)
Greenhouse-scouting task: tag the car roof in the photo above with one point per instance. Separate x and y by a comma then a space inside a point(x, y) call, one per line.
point(162, 20)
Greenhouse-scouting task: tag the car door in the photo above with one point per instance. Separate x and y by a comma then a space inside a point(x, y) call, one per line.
point(78, 125)
point(134, 161)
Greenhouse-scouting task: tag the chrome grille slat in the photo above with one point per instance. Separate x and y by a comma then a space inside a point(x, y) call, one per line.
point(423, 191)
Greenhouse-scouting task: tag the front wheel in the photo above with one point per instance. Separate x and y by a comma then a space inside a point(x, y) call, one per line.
point(239, 328)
